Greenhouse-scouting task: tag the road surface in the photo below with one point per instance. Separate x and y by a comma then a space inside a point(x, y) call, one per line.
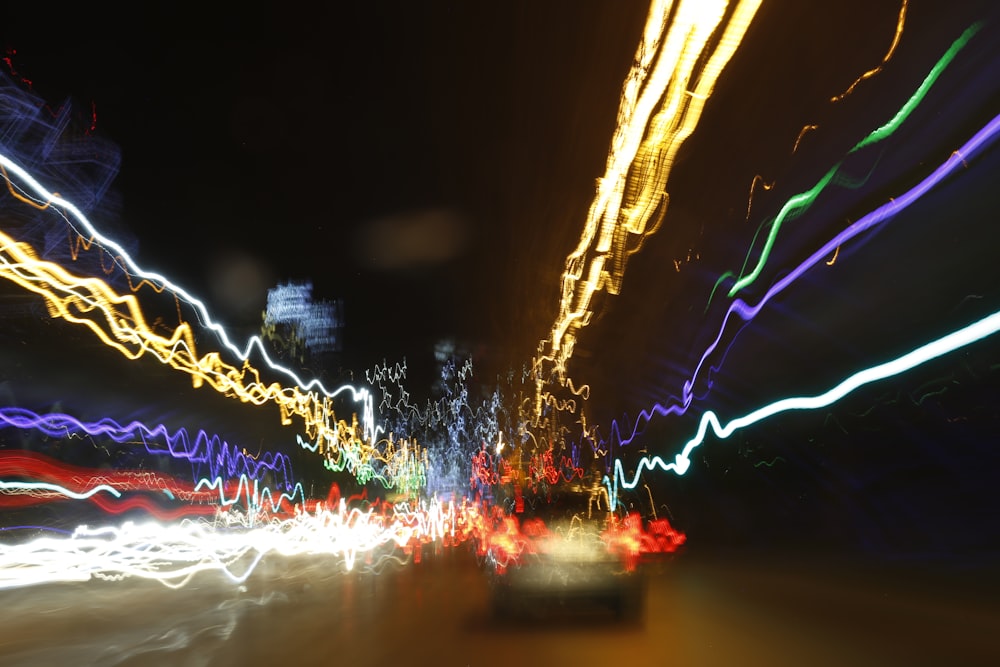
point(698, 611)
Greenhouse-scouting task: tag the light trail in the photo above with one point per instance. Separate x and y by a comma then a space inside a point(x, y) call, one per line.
point(54, 480)
point(673, 74)
point(203, 451)
point(256, 499)
point(82, 480)
point(452, 426)
point(959, 159)
point(900, 20)
point(106, 496)
point(402, 468)
point(956, 340)
point(802, 201)
point(31, 487)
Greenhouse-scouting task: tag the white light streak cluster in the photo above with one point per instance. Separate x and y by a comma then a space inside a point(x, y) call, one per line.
point(175, 553)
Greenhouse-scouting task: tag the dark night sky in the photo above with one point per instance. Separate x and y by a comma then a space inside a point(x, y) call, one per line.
point(289, 136)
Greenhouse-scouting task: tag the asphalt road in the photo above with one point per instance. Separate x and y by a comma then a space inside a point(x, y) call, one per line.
point(698, 611)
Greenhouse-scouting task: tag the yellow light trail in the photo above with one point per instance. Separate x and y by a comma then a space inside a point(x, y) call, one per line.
point(118, 321)
point(683, 50)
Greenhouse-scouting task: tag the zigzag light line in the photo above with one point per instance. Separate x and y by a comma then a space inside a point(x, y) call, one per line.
point(58, 489)
point(203, 449)
point(678, 61)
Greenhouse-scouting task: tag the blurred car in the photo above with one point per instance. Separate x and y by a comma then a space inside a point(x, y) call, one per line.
point(564, 566)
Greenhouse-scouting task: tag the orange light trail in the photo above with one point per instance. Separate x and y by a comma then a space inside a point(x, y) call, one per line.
point(798, 140)
point(892, 49)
